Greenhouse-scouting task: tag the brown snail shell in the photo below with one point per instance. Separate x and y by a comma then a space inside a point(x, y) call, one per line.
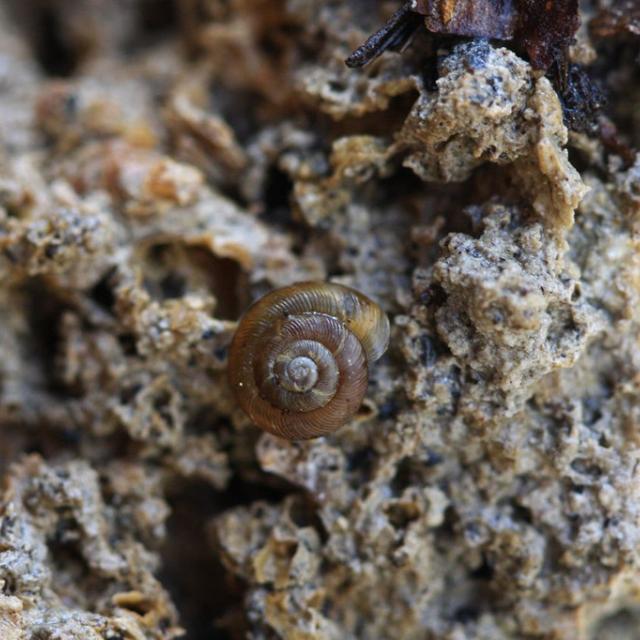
point(298, 363)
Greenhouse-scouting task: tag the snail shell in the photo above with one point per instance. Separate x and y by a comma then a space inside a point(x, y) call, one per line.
point(298, 363)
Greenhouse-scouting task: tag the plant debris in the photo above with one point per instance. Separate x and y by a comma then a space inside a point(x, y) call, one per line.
point(581, 98)
point(542, 28)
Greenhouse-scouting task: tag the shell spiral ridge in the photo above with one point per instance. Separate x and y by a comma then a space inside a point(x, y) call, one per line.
point(299, 361)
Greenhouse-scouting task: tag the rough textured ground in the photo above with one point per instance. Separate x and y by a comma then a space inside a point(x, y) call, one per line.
point(164, 164)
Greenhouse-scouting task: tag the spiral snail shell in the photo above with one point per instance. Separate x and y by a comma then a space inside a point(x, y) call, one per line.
point(298, 363)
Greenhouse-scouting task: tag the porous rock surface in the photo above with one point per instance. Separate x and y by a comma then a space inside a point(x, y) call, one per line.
point(183, 166)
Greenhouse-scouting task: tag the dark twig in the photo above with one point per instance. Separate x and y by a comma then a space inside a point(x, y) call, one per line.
point(394, 35)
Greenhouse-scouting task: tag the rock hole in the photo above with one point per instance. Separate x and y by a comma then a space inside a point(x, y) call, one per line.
point(576, 293)
point(433, 296)
point(404, 477)
point(128, 344)
point(303, 514)
point(484, 572)
point(604, 442)
point(102, 292)
point(337, 86)
point(276, 197)
point(412, 471)
point(466, 614)
point(174, 269)
point(521, 513)
point(56, 55)
point(191, 568)
point(173, 285)
point(44, 310)
point(361, 464)
point(157, 17)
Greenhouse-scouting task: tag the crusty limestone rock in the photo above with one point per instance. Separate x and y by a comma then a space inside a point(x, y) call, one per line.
point(190, 162)
point(509, 313)
point(48, 512)
point(343, 93)
point(490, 106)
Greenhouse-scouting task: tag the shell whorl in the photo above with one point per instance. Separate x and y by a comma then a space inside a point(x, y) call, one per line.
point(298, 363)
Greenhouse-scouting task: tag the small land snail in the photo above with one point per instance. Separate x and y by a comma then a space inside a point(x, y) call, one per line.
point(299, 361)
